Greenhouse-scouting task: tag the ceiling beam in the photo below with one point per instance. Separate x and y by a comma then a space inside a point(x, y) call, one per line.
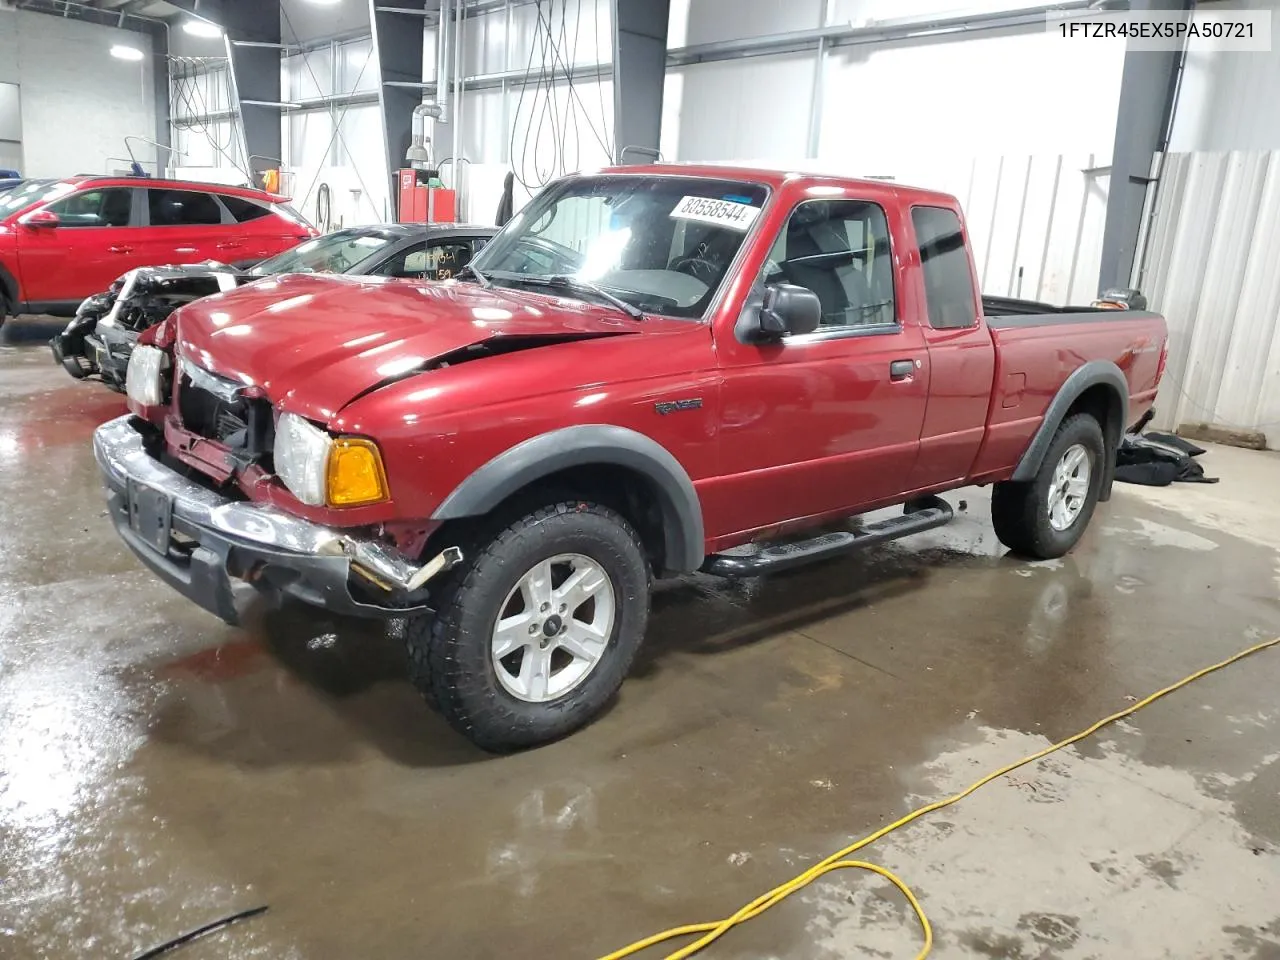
point(89, 12)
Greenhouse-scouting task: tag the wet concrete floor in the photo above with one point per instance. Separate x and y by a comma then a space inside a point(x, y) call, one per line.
point(159, 769)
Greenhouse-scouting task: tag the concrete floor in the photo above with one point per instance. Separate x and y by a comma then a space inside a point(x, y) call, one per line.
point(159, 769)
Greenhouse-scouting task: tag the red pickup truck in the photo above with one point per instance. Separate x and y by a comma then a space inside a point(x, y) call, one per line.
point(647, 368)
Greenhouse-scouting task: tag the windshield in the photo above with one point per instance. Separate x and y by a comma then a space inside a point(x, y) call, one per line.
point(335, 252)
point(32, 191)
point(662, 244)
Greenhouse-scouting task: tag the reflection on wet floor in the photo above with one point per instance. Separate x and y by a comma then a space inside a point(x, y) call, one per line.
point(158, 769)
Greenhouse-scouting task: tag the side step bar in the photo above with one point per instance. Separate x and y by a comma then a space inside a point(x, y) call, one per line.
point(917, 516)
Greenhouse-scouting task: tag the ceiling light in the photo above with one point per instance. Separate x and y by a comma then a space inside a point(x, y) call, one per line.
point(324, 3)
point(122, 52)
point(202, 28)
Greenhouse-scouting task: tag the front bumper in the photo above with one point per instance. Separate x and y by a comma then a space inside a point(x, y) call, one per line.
point(110, 349)
point(222, 553)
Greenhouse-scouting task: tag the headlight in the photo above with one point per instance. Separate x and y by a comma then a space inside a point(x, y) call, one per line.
point(322, 470)
point(142, 382)
point(301, 455)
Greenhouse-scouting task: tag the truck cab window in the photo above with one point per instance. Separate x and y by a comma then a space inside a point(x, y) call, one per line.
point(439, 261)
point(839, 249)
point(944, 260)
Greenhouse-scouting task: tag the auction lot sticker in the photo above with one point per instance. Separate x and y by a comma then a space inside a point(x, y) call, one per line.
point(723, 213)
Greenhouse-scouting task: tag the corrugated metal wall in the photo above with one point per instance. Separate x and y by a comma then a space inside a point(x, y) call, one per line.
point(1212, 266)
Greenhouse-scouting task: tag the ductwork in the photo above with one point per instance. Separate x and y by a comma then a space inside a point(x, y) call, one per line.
point(418, 155)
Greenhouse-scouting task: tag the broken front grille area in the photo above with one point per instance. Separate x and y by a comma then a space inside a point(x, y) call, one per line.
point(216, 408)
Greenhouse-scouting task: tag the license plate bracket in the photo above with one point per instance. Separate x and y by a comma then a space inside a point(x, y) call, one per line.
point(150, 515)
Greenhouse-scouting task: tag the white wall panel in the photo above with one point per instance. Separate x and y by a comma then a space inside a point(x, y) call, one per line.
point(1210, 268)
point(990, 93)
point(545, 135)
point(705, 21)
point(309, 75)
point(583, 29)
point(78, 102)
point(351, 162)
point(10, 112)
point(200, 91)
point(542, 132)
point(1227, 100)
point(302, 21)
point(735, 108)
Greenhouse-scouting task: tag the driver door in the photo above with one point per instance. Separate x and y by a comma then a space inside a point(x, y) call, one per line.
point(828, 422)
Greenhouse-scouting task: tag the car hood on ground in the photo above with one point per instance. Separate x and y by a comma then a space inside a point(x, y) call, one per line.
point(315, 343)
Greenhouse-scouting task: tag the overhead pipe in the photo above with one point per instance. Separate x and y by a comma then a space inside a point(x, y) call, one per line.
point(454, 80)
point(418, 155)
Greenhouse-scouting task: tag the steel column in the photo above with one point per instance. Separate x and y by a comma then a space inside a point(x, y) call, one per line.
point(255, 76)
point(639, 71)
point(160, 95)
point(1148, 88)
point(398, 40)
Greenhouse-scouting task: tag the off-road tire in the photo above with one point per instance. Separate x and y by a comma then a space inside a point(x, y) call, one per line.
point(1020, 511)
point(449, 653)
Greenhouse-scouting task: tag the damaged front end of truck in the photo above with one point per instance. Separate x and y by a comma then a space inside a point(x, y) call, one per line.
point(101, 337)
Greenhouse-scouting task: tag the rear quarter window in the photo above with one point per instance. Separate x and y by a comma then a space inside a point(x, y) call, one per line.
point(944, 261)
point(243, 210)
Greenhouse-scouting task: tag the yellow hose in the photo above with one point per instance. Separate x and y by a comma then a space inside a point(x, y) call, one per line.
point(712, 931)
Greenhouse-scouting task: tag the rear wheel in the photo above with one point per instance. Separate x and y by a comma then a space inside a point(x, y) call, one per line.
point(536, 630)
point(1044, 518)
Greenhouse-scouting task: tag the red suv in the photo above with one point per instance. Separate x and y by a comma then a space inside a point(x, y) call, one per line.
point(62, 240)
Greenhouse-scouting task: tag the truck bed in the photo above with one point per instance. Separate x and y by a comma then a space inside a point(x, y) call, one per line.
point(997, 307)
point(1037, 351)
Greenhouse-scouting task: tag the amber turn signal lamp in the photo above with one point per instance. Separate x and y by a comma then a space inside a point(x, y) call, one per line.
point(355, 475)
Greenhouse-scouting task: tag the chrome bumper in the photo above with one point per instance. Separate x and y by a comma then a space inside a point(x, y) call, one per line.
point(237, 539)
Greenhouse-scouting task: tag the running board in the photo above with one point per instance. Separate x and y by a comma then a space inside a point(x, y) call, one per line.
point(917, 516)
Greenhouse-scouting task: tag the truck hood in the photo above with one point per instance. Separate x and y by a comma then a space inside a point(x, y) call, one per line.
point(312, 344)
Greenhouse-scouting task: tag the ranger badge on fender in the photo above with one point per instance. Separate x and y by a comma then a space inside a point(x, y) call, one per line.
point(671, 406)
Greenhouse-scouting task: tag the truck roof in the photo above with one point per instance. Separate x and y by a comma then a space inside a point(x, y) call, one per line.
point(775, 178)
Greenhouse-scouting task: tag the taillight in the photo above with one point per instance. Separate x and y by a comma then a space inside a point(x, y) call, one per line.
point(1164, 359)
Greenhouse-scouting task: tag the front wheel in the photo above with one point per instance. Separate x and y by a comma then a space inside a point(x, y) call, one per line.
point(536, 630)
point(1044, 518)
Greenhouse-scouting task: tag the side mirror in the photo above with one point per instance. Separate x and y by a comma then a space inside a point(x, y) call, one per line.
point(40, 218)
point(787, 309)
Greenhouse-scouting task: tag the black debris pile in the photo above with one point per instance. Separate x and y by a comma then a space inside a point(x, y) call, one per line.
point(1158, 459)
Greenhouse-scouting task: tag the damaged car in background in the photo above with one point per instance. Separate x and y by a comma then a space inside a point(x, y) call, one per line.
point(100, 339)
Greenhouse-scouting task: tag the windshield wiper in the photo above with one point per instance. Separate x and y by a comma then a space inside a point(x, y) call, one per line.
point(575, 285)
point(480, 277)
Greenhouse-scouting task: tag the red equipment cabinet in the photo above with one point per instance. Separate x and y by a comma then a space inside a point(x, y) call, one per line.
point(420, 203)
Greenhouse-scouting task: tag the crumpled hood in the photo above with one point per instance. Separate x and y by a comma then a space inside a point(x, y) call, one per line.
point(314, 343)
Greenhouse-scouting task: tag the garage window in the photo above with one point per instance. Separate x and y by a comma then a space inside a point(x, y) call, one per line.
point(948, 281)
point(94, 208)
point(174, 208)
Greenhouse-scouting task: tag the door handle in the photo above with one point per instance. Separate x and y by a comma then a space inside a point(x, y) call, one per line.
point(900, 370)
point(230, 245)
point(185, 250)
point(120, 248)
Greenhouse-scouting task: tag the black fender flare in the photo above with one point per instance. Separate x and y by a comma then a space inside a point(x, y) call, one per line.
point(1088, 375)
point(588, 445)
point(9, 294)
